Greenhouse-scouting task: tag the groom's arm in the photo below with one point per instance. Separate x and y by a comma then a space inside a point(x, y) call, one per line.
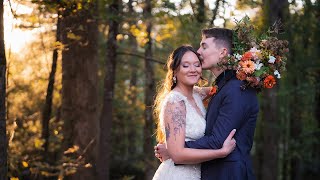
point(231, 116)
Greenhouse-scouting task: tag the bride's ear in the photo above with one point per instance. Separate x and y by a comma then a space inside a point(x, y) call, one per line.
point(174, 73)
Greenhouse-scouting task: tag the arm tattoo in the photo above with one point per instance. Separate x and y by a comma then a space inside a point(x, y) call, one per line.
point(178, 119)
point(167, 129)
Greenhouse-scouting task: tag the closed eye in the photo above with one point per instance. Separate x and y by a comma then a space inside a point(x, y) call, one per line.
point(203, 46)
point(197, 65)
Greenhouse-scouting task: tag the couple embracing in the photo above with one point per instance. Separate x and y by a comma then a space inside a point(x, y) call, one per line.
point(196, 143)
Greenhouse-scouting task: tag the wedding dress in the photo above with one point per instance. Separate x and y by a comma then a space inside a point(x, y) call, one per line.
point(195, 129)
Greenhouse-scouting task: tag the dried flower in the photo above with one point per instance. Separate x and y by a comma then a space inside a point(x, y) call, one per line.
point(241, 75)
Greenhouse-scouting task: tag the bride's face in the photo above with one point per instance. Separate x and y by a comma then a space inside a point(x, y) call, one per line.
point(189, 71)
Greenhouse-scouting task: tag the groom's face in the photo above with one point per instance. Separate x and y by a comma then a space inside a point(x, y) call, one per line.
point(210, 53)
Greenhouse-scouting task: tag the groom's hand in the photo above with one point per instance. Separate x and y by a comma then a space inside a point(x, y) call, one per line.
point(161, 152)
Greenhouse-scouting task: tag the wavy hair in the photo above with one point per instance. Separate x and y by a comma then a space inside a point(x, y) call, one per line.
point(168, 84)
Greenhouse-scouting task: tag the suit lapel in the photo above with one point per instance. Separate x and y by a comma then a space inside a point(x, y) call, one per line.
point(221, 82)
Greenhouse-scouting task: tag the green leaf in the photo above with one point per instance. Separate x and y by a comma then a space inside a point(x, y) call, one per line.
point(261, 71)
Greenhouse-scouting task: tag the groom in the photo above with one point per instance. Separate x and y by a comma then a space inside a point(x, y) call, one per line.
point(230, 108)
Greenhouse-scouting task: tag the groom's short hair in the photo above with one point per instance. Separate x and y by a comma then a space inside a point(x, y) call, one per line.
point(222, 37)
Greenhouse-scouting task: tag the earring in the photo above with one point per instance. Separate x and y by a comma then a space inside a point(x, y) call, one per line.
point(174, 80)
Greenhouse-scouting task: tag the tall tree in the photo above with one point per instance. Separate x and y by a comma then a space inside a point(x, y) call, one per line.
point(201, 11)
point(149, 94)
point(133, 80)
point(317, 109)
point(79, 30)
point(109, 82)
point(47, 109)
point(3, 131)
point(215, 12)
point(273, 11)
point(296, 161)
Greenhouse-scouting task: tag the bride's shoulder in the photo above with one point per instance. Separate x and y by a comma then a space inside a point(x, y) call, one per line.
point(174, 97)
point(201, 91)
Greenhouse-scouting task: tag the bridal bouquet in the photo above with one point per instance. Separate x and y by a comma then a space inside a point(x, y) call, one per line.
point(259, 61)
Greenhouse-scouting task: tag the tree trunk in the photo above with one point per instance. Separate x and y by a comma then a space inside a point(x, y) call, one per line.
point(201, 11)
point(47, 109)
point(3, 136)
point(317, 108)
point(296, 123)
point(149, 94)
point(79, 30)
point(109, 81)
point(274, 10)
point(132, 135)
point(270, 135)
point(295, 132)
point(215, 12)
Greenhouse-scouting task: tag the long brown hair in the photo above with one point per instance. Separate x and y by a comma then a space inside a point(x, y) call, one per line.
point(168, 84)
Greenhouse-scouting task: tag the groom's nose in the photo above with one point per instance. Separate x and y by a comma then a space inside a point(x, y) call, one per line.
point(199, 50)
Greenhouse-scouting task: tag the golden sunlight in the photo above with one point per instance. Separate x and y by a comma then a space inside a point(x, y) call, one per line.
point(16, 38)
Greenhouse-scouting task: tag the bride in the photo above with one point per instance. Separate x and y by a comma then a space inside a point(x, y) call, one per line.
point(182, 118)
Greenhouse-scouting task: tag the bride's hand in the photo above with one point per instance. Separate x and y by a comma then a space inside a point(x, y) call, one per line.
point(229, 144)
point(161, 152)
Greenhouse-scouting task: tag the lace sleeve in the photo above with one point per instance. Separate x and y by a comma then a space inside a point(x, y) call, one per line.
point(202, 91)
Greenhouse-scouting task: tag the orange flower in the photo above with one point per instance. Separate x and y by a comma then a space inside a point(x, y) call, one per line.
point(213, 90)
point(246, 56)
point(241, 75)
point(247, 66)
point(269, 81)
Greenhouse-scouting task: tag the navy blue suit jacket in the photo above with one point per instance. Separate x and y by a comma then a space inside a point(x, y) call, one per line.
point(231, 108)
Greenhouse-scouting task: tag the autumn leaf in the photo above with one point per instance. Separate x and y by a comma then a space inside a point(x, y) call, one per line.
point(72, 149)
point(72, 36)
point(38, 143)
point(25, 164)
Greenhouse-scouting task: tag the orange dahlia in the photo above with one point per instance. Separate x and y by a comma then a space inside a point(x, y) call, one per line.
point(246, 56)
point(269, 81)
point(247, 66)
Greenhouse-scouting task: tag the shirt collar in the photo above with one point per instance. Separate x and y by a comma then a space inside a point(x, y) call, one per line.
point(227, 74)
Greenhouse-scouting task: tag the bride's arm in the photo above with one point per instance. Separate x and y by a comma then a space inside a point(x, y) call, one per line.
point(175, 124)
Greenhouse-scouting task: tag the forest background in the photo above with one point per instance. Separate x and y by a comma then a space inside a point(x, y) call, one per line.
point(78, 77)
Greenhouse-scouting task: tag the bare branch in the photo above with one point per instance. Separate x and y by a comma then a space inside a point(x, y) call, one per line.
point(142, 57)
point(13, 13)
point(215, 12)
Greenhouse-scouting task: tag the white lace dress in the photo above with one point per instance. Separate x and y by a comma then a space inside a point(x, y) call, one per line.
point(195, 129)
